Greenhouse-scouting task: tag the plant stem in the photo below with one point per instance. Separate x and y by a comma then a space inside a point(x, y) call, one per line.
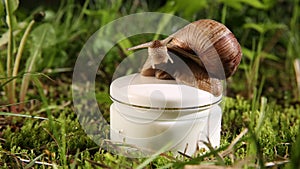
point(293, 48)
point(255, 64)
point(258, 58)
point(19, 55)
point(10, 49)
point(80, 17)
point(26, 78)
point(29, 69)
point(2, 72)
point(297, 73)
point(224, 12)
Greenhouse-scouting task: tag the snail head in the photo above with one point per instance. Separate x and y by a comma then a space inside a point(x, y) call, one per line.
point(157, 52)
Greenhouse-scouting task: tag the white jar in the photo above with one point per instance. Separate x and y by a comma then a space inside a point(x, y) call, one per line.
point(151, 114)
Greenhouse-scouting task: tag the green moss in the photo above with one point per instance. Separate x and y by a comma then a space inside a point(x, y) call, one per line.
point(275, 136)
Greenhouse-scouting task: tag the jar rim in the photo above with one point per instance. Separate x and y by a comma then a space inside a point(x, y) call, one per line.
point(151, 93)
point(200, 107)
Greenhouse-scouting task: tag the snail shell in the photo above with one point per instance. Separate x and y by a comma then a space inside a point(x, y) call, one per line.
point(210, 50)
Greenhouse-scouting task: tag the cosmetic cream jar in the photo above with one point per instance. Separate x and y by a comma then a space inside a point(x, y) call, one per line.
point(152, 114)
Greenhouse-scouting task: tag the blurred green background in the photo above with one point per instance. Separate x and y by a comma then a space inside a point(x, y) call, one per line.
point(268, 31)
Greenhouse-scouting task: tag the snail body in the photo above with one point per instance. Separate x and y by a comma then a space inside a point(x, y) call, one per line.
point(208, 47)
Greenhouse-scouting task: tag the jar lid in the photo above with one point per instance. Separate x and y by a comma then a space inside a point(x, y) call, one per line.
point(149, 92)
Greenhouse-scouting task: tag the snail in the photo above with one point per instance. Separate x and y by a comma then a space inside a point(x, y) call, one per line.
point(208, 47)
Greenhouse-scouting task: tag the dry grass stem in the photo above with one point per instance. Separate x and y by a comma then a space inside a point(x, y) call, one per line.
point(236, 140)
point(275, 163)
point(36, 162)
point(205, 166)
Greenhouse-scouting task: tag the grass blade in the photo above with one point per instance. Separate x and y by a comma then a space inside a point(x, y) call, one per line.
point(297, 72)
point(44, 36)
point(22, 115)
point(33, 161)
point(10, 49)
point(147, 161)
point(19, 55)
